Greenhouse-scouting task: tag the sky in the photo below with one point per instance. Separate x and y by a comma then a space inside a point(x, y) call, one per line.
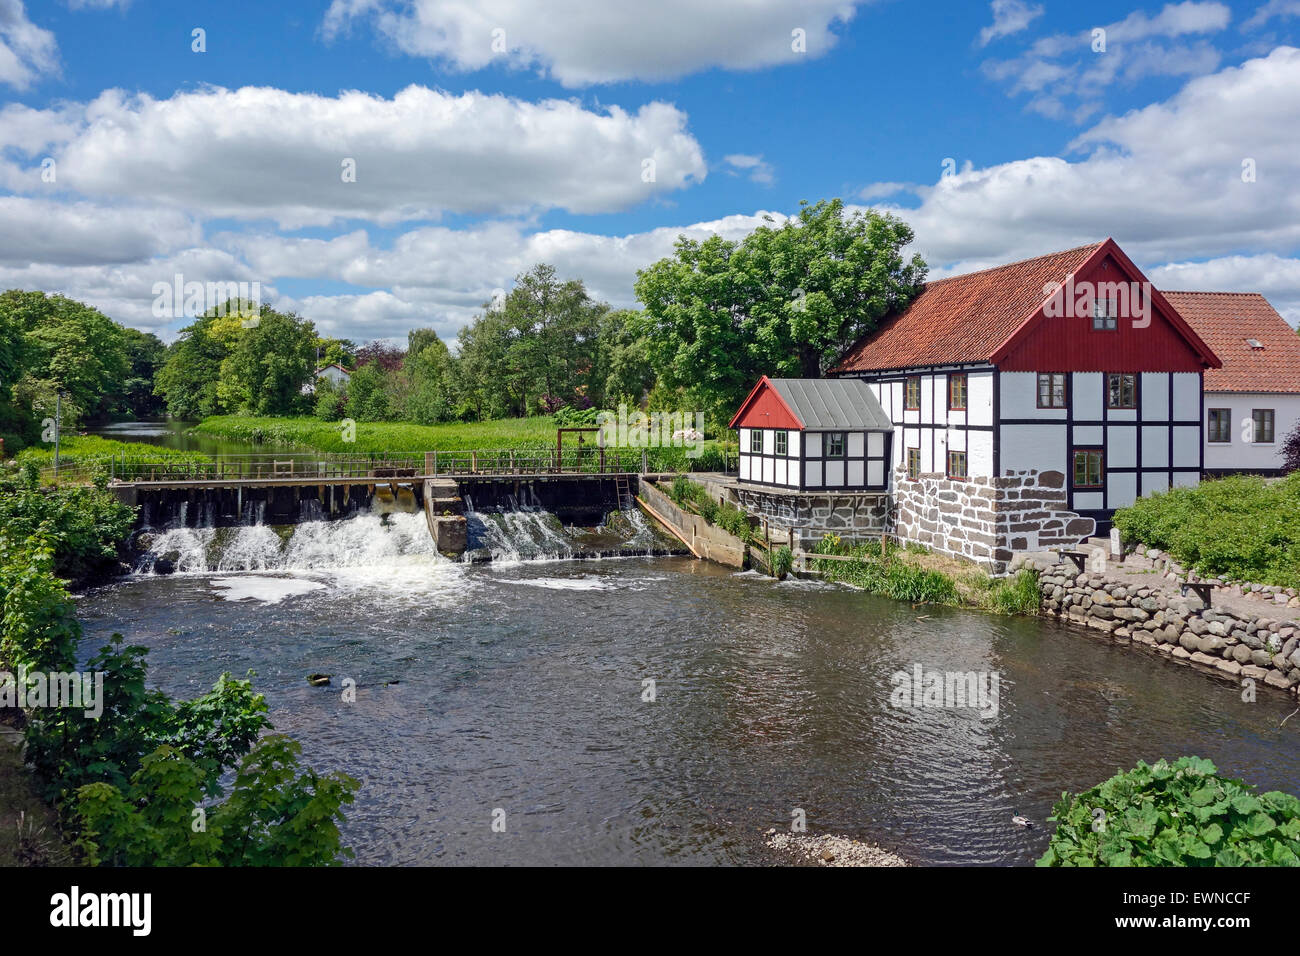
point(381, 165)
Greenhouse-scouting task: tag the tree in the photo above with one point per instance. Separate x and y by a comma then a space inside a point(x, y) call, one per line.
point(191, 371)
point(430, 371)
point(785, 300)
point(135, 396)
point(271, 361)
point(623, 372)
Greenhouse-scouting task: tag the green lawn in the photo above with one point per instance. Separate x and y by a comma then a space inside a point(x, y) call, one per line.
point(378, 437)
point(82, 453)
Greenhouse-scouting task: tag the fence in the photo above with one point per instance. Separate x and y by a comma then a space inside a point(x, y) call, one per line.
point(311, 466)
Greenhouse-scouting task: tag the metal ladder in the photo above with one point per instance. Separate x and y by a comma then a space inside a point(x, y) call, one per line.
point(623, 489)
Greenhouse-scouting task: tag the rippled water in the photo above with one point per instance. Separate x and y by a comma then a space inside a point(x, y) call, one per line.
point(519, 687)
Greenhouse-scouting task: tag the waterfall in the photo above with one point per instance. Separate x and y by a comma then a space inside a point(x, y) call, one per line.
point(527, 533)
point(363, 541)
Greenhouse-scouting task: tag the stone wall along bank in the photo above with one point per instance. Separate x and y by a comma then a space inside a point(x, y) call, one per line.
point(803, 519)
point(1238, 645)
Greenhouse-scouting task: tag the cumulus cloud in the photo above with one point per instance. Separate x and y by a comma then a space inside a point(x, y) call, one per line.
point(304, 159)
point(1276, 277)
point(27, 52)
point(1279, 9)
point(1009, 16)
point(580, 42)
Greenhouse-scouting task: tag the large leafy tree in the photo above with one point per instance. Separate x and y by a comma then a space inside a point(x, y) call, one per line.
point(786, 300)
point(272, 359)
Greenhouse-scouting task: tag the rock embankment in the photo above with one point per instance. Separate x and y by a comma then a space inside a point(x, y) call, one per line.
point(1236, 643)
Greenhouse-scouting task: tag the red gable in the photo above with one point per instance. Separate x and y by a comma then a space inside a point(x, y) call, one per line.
point(998, 316)
point(764, 408)
point(1227, 320)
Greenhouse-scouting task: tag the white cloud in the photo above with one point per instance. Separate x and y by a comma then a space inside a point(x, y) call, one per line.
point(27, 51)
point(754, 167)
point(1276, 277)
point(76, 234)
point(258, 153)
point(581, 42)
point(1009, 16)
point(1282, 9)
point(1067, 73)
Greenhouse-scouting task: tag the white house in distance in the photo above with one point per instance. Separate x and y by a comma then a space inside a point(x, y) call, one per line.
point(1027, 402)
point(334, 373)
point(814, 434)
point(1253, 403)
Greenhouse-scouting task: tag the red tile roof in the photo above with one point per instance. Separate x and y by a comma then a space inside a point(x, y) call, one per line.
point(1225, 320)
point(963, 318)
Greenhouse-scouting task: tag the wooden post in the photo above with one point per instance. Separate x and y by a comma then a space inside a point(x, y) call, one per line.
point(429, 458)
point(645, 462)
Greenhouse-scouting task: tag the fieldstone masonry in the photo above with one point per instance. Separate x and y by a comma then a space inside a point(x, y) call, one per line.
point(987, 520)
point(1242, 646)
point(807, 517)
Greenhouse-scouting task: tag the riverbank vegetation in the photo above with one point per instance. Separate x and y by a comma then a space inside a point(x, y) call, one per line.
point(694, 497)
point(1242, 527)
point(1175, 814)
point(84, 455)
point(913, 573)
point(51, 344)
point(141, 782)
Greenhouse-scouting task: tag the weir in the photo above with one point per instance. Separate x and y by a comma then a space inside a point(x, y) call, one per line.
point(273, 523)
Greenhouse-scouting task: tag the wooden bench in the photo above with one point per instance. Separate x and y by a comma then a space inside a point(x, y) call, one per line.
point(1080, 559)
point(1203, 590)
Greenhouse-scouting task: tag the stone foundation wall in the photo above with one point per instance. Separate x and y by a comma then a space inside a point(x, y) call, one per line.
point(1182, 627)
point(986, 520)
point(806, 518)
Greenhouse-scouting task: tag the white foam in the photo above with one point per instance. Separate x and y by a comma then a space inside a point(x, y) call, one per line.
point(583, 583)
point(268, 590)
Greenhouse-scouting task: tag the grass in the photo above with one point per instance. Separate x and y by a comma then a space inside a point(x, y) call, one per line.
point(912, 573)
point(381, 437)
point(82, 455)
point(398, 438)
point(693, 496)
point(1240, 527)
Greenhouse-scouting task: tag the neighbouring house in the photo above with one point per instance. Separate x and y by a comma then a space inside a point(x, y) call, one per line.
point(1026, 403)
point(1252, 403)
point(813, 434)
point(334, 373)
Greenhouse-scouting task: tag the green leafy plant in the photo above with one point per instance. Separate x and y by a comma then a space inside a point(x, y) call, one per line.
point(782, 562)
point(1174, 814)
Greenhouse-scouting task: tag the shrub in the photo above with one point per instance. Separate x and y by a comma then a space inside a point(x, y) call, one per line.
point(1018, 594)
point(80, 526)
point(1241, 527)
point(1179, 814)
point(782, 562)
point(1291, 451)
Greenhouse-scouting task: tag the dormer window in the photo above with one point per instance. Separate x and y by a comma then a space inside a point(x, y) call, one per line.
point(1255, 344)
point(1105, 314)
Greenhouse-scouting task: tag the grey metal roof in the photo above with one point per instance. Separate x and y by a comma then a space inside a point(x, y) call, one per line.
point(840, 403)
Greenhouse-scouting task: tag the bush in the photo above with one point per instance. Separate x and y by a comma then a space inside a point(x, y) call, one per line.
point(1241, 527)
point(1179, 814)
point(1013, 595)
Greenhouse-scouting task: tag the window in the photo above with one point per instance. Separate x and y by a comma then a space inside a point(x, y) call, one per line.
point(957, 465)
point(914, 463)
point(1262, 422)
point(1105, 314)
point(912, 393)
point(1088, 471)
point(834, 444)
point(756, 441)
point(1121, 391)
point(1051, 390)
point(957, 392)
point(782, 442)
point(1219, 425)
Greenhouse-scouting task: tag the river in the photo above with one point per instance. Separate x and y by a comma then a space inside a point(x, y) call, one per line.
point(518, 686)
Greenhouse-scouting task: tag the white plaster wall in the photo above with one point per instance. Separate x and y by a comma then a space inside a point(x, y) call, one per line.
point(1242, 454)
point(1037, 447)
point(1020, 397)
point(979, 398)
point(1155, 445)
point(1087, 397)
point(1121, 448)
point(1153, 396)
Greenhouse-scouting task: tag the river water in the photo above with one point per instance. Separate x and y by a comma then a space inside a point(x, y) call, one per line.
point(518, 686)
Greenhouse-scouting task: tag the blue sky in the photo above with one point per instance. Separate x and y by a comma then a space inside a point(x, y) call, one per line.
point(490, 136)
